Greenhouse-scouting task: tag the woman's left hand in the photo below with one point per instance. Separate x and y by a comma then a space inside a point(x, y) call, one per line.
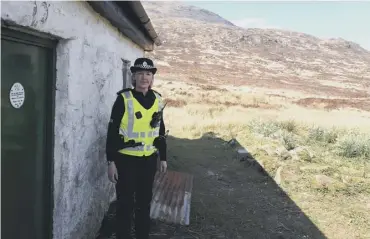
point(163, 167)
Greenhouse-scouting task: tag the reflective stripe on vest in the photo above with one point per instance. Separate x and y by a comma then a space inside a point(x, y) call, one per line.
point(140, 148)
point(130, 110)
point(160, 101)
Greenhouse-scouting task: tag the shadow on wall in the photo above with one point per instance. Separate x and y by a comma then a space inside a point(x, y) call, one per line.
point(232, 197)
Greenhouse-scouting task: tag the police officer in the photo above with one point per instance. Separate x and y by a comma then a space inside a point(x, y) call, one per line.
point(134, 141)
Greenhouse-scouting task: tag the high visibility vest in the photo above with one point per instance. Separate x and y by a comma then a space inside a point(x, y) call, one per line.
point(139, 130)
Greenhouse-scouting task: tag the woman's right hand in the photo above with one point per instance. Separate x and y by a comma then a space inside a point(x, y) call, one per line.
point(112, 173)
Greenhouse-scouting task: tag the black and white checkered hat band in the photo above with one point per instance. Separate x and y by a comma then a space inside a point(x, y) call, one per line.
point(144, 66)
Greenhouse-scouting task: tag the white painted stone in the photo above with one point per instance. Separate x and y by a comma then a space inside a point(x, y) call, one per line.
point(89, 73)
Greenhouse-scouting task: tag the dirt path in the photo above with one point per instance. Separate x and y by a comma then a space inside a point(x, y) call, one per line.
point(231, 199)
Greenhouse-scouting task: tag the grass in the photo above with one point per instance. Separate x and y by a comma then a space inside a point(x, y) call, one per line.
point(354, 145)
point(320, 134)
point(324, 157)
point(346, 143)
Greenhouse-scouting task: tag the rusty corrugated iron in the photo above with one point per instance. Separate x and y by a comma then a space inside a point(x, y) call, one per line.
point(172, 197)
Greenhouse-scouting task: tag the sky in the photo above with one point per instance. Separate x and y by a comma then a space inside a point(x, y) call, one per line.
point(347, 20)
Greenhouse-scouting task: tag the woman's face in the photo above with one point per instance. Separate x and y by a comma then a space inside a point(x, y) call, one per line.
point(143, 79)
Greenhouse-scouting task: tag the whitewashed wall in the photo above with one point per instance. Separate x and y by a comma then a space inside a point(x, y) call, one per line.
point(89, 73)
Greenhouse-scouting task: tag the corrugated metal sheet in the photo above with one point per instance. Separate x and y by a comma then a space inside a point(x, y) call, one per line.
point(172, 197)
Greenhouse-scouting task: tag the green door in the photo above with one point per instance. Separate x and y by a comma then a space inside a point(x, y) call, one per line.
point(27, 65)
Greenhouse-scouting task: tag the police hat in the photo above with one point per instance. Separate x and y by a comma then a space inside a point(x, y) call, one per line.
point(143, 64)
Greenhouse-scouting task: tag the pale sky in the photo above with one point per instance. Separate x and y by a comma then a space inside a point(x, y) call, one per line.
point(347, 20)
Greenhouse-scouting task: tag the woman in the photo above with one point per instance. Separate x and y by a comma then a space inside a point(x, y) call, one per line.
point(133, 143)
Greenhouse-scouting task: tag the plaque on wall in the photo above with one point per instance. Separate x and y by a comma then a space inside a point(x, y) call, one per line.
point(17, 95)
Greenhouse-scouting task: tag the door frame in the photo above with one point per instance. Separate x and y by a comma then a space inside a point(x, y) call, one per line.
point(33, 38)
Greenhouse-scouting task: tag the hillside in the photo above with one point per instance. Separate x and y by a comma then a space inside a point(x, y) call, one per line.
point(306, 173)
point(202, 47)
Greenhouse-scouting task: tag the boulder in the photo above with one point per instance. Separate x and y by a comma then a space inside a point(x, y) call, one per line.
point(276, 151)
point(302, 153)
point(267, 149)
point(316, 168)
point(277, 177)
point(283, 153)
point(325, 182)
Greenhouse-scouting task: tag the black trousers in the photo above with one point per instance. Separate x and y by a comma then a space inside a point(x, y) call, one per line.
point(134, 194)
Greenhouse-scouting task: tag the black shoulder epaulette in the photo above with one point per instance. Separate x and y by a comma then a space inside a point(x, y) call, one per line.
point(124, 90)
point(157, 92)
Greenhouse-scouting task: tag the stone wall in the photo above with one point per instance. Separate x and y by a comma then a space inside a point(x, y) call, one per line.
point(89, 73)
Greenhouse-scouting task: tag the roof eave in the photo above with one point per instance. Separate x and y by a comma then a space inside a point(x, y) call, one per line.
point(139, 10)
point(117, 17)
